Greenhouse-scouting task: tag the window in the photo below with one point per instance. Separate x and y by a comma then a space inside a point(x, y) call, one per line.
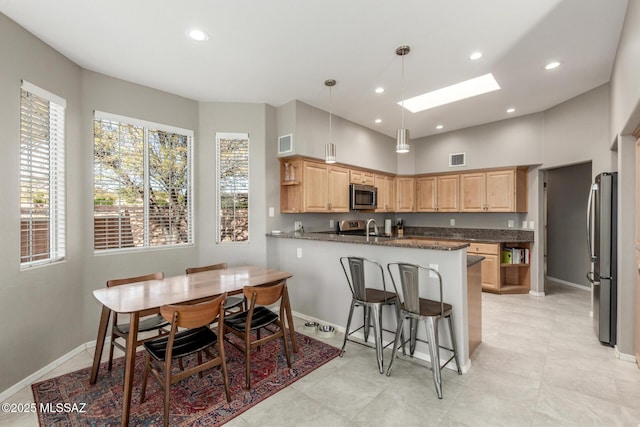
point(233, 186)
point(141, 184)
point(42, 189)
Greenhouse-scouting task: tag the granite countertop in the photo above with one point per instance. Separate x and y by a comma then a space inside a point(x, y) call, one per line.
point(490, 235)
point(407, 241)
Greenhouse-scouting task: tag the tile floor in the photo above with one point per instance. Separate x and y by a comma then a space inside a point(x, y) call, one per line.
point(539, 364)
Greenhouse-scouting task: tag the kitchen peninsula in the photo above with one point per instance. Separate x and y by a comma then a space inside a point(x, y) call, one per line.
point(318, 289)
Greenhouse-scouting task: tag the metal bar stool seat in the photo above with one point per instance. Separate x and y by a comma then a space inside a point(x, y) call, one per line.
point(372, 300)
point(415, 308)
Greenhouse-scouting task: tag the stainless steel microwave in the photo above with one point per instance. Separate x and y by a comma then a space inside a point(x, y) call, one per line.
point(363, 196)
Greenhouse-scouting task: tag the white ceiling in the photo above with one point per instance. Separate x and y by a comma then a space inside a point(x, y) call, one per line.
point(278, 50)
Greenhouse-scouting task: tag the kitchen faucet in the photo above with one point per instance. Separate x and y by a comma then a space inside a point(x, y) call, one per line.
point(375, 227)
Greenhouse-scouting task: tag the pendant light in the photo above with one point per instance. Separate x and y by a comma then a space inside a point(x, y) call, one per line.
point(402, 135)
point(330, 147)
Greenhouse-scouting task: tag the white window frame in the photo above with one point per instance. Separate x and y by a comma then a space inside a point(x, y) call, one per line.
point(231, 135)
point(101, 115)
point(56, 176)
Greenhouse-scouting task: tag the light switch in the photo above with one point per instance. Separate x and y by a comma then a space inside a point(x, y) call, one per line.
point(272, 212)
point(431, 273)
point(299, 252)
point(331, 224)
point(452, 222)
point(524, 224)
point(510, 223)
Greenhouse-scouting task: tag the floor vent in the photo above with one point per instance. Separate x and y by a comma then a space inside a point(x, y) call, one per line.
point(457, 159)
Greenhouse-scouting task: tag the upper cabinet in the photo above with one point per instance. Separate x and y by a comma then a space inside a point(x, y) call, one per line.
point(307, 186)
point(386, 186)
point(405, 194)
point(502, 190)
point(437, 193)
point(357, 176)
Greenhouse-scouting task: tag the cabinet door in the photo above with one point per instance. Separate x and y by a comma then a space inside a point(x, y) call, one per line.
point(405, 194)
point(426, 195)
point(501, 191)
point(380, 182)
point(447, 192)
point(338, 185)
point(355, 176)
point(391, 194)
point(472, 192)
point(315, 179)
point(490, 272)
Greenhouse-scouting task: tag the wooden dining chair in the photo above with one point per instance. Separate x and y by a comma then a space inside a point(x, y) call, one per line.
point(149, 320)
point(231, 302)
point(257, 318)
point(196, 338)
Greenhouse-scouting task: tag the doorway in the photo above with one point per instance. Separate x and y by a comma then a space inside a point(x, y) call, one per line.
point(565, 207)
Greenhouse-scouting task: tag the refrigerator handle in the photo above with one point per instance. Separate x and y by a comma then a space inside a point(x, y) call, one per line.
point(592, 190)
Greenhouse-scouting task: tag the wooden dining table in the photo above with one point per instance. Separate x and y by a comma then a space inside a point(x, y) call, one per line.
point(139, 297)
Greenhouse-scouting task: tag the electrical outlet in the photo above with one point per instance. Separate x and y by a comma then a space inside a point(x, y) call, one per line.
point(299, 252)
point(531, 225)
point(331, 224)
point(511, 223)
point(431, 273)
point(272, 212)
point(524, 224)
point(452, 222)
point(297, 225)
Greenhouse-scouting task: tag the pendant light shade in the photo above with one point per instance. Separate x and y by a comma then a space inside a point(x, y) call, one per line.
point(330, 147)
point(402, 135)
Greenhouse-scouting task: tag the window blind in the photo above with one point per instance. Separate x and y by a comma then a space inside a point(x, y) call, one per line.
point(233, 186)
point(42, 185)
point(142, 184)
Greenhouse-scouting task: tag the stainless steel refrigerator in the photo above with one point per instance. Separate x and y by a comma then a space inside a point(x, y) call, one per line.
point(602, 241)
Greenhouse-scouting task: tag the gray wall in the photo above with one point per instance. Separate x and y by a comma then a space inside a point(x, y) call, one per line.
point(231, 117)
point(37, 321)
point(567, 257)
point(104, 93)
point(625, 117)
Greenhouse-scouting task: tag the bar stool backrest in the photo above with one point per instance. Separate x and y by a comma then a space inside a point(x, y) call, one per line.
point(410, 282)
point(356, 275)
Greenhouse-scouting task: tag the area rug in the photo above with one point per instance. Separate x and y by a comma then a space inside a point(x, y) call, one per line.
point(69, 400)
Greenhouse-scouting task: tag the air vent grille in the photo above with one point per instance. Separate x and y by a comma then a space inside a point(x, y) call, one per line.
point(285, 144)
point(457, 159)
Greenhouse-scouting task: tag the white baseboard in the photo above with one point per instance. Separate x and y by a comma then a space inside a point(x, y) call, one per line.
point(41, 372)
point(624, 356)
point(537, 294)
point(564, 282)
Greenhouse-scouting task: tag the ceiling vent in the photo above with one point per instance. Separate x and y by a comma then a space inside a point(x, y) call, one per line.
point(457, 159)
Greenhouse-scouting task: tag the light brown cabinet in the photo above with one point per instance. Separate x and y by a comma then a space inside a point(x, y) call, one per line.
point(405, 194)
point(357, 176)
point(437, 193)
point(317, 187)
point(494, 191)
point(498, 277)
point(386, 186)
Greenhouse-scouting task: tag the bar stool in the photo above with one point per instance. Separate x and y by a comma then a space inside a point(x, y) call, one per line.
point(368, 298)
point(415, 308)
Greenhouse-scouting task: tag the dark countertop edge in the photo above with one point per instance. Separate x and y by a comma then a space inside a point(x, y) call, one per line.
point(489, 235)
point(383, 241)
point(473, 260)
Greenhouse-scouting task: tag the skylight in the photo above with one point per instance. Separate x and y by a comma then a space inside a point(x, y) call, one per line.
point(453, 93)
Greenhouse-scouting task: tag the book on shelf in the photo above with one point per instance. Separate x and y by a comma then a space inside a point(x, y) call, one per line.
point(515, 255)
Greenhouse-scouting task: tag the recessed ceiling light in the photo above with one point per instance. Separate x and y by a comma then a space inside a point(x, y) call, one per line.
point(439, 127)
point(511, 110)
point(198, 35)
point(378, 121)
point(379, 90)
point(475, 55)
point(552, 65)
point(449, 94)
